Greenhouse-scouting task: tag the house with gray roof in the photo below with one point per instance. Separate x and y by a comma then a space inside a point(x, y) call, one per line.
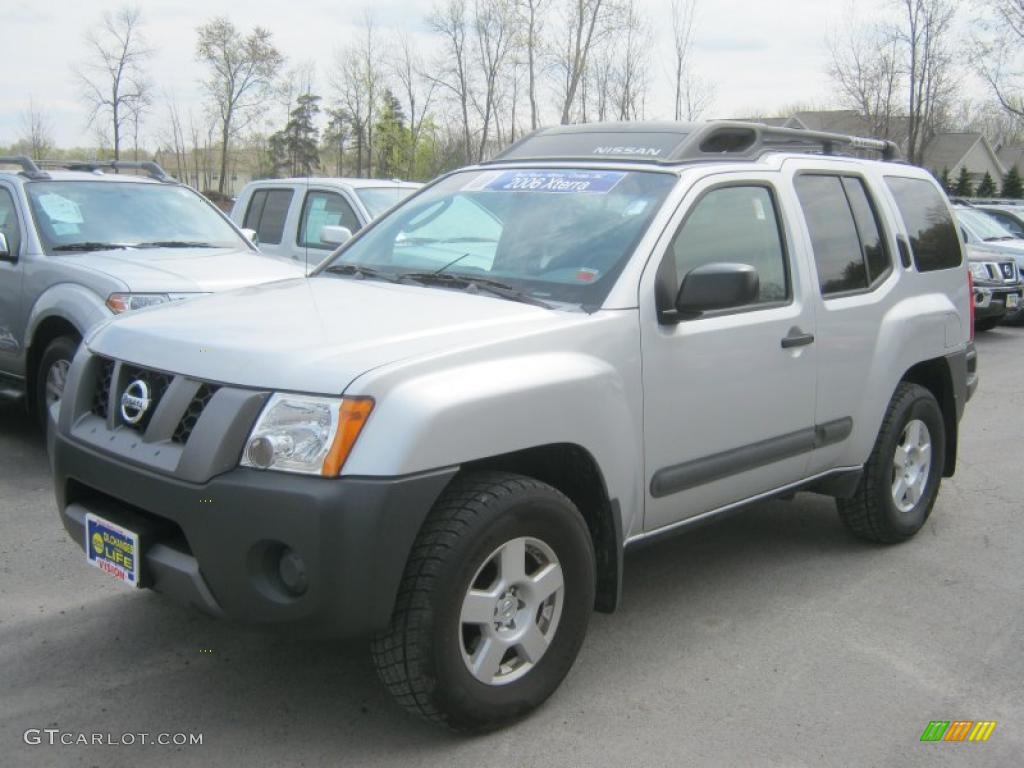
point(970, 150)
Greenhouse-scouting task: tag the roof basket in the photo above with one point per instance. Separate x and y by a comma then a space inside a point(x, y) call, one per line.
point(27, 165)
point(668, 143)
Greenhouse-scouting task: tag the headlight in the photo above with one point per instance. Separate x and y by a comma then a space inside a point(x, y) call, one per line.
point(980, 271)
point(306, 434)
point(123, 302)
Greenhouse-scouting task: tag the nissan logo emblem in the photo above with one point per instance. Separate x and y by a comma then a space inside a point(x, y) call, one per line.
point(135, 401)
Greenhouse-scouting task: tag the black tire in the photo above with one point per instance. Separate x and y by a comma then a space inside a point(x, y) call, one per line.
point(62, 348)
point(987, 324)
point(872, 513)
point(419, 658)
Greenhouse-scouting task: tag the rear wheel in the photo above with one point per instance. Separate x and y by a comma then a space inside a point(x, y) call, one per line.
point(901, 478)
point(494, 603)
point(52, 374)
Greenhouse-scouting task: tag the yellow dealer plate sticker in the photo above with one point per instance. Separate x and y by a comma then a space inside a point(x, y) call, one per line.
point(112, 549)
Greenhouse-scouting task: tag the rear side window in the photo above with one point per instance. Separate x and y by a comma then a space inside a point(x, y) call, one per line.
point(267, 211)
point(849, 250)
point(933, 239)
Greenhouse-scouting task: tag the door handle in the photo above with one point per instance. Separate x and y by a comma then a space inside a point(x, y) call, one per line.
point(796, 338)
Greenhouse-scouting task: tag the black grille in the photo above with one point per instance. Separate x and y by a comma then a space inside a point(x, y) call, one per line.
point(193, 412)
point(101, 397)
point(157, 383)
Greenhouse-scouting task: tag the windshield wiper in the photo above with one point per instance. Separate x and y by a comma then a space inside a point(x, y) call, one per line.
point(494, 287)
point(429, 240)
point(90, 246)
point(173, 244)
point(361, 271)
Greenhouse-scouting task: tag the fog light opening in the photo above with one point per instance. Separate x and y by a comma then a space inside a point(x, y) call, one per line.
point(292, 570)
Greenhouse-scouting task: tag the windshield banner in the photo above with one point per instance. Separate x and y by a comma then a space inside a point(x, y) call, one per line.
point(599, 182)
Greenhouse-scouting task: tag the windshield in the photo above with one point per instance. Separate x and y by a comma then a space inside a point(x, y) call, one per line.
point(555, 235)
point(71, 215)
point(378, 199)
point(984, 226)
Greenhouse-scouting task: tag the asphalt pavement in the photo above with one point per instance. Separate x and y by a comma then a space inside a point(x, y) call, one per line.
point(771, 638)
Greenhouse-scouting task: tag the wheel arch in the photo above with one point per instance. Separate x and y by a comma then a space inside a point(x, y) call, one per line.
point(572, 469)
point(48, 329)
point(935, 376)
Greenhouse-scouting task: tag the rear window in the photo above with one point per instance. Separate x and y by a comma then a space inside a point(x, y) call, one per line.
point(267, 211)
point(933, 238)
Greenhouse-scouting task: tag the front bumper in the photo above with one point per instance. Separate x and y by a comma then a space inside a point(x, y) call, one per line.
point(991, 301)
point(216, 544)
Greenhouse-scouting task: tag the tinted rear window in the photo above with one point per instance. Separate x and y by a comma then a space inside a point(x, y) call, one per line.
point(267, 212)
point(933, 238)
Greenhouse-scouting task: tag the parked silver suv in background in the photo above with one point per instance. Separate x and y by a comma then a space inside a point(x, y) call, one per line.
point(79, 246)
point(449, 435)
point(304, 219)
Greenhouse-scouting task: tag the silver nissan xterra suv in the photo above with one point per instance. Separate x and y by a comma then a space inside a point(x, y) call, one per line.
point(447, 437)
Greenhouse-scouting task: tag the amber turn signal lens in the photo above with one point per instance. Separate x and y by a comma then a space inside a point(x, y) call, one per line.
point(354, 413)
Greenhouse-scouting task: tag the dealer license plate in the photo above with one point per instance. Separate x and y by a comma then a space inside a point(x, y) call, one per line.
point(112, 549)
point(1012, 299)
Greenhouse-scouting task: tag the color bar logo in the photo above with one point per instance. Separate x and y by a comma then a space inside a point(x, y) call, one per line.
point(958, 730)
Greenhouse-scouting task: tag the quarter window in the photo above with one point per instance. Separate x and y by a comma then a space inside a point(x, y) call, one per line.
point(926, 216)
point(735, 225)
point(9, 222)
point(267, 211)
point(324, 209)
point(849, 250)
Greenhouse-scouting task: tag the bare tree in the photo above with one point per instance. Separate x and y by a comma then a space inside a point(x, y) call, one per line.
point(241, 72)
point(693, 94)
point(494, 30)
point(584, 23)
point(632, 41)
point(531, 25)
point(923, 35)
point(454, 73)
point(418, 91)
point(350, 95)
point(865, 69)
point(112, 76)
point(1002, 63)
point(36, 131)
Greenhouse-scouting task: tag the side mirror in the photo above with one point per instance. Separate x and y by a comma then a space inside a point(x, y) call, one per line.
point(251, 236)
point(716, 286)
point(335, 235)
point(5, 249)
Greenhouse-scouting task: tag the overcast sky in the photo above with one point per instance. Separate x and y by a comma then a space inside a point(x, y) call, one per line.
point(761, 55)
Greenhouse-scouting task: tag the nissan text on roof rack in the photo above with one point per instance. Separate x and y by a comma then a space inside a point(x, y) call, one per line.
point(447, 437)
point(79, 245)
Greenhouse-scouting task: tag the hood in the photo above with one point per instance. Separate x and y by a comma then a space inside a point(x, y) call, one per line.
point(313, 335)
point(1011, 248)
point(186, 270)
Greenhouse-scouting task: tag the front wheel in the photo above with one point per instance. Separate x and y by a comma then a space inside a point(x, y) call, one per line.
point(494, 603)
point(901, 478)
point(52, 374)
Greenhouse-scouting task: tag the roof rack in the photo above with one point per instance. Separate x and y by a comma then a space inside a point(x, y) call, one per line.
point(669, 143)
point(28, 166)
point(152, 168)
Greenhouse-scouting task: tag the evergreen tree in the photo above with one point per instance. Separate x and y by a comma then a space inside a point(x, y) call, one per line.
point(393, 138)
point(1013, 188)
point(964, 188)
point(295, 151)
point(987, 187)
point(944, 180)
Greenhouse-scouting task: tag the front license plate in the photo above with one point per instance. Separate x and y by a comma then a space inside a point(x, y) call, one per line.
point(112, 549)
point(1012, 299)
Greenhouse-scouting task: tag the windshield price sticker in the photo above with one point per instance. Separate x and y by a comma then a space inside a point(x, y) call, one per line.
point(61, 209)
point(592, 182)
